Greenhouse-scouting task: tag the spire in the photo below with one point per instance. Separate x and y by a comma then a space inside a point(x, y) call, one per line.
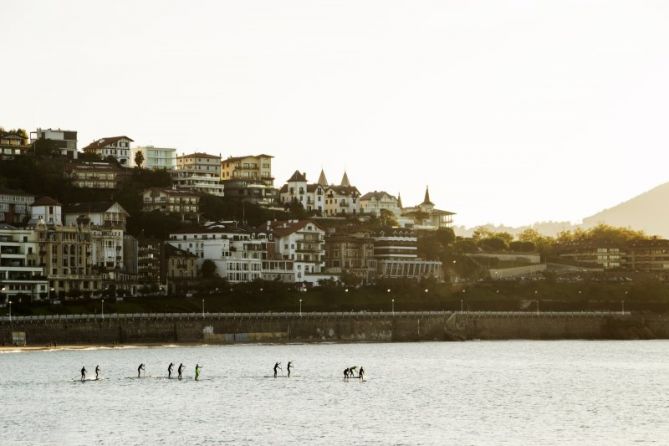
point(322, 180)
point(399, 200)
point(345, 181)
point(427, 196)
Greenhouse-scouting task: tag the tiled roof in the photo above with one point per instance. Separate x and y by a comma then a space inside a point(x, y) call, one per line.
point(46, 201)
point(232, 159)
point(297, 176)
point(198, 155)
point(103, 142)
point(284, 228)
point(92, 207)
point(377, 195)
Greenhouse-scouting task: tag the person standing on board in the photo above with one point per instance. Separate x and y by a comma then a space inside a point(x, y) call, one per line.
point(361, 373)
point(83, 374)
point(197, 371)
point(351, 371)
point(346, 373)
point(139, 370)
point(169, 370)
point(277, 366)
point(97, 372)
point(180, 370)
point(288, 367)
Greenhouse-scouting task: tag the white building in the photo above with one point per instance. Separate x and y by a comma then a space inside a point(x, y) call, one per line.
point(66, 140)
point(48, 211)
point(20, 272)
point(155, 158)
point(341, 199)
point(117, 147)
point(425, 216)
point(99, 213)
point(396, 253)
point(199, 172)
point(15, 206)
point(297, 190)
point(372, 203)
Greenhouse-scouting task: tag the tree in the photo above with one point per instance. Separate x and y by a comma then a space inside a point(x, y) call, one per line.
point(208, 269)
point(387, 219)
point(139, 158)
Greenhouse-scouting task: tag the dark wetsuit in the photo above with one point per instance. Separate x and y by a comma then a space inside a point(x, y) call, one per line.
point(276, 367)
point(169, 370)
point(346, 371)
point(361, 373)
point(139, 370)
point(289, 366)
point(97, 371)
point(83, 373)
point(180, 370)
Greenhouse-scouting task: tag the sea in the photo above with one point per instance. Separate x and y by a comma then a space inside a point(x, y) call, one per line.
point(441, 393)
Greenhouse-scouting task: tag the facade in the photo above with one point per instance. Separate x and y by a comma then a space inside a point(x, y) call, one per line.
point(253, 169)
point(341, 199)
point(396, 252)
point(20, 272)
point(102, 213)
point(178, 269)
point(149, 263)
point(117, 147)
point(46, 210)
point(250, 191)
point(15, 206)
point(425, 216)
point(646, 256)
point(351, 254)
point(372, 203)
point(94, 175)
point(171, 201)
point(199, 172)
point(155, 158)
point(12, 145)
point(66, 140)
point(298, 190)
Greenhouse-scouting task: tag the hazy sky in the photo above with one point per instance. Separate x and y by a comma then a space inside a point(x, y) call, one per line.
point(512, 111)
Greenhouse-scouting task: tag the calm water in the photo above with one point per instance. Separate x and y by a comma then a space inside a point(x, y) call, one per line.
point(474, 393)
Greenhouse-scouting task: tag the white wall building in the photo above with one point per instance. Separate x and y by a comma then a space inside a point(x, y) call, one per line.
point(20, 273)
point(199, 172)
point(118, 147)
point(15, 206)
point(310, 196)
point(155, 158)
point(66, 140)
point(48, 211)
point(372, 203)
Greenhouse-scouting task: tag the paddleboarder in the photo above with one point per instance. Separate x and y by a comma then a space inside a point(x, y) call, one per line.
point(277, 366)
point(169, 370)
point(97, 372)
point(361, 373)
point(197, 371)
point(139, 370)
point(83, 374)
point(180, 370)
point(288, 367)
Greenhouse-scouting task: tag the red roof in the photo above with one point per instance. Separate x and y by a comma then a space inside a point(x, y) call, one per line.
point(103, 142)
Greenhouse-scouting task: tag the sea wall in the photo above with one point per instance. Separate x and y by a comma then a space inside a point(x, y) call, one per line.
point(329, 327)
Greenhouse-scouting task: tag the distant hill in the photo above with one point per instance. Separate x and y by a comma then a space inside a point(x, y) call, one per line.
point(648, 212)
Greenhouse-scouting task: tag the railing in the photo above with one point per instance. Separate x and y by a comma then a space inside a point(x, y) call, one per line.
point(329, 314)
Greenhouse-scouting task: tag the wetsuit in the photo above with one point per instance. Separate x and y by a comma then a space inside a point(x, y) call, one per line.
point(276, 367)
point(180, 370)
point(288, 367)
point(345, 373)
point(139, 370)
point(169, 370)
point(197, 371)
point(361, 373)
point(83, 373)
point(97, 371)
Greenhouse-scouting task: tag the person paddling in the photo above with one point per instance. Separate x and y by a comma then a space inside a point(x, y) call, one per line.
point(180, 370)
point(351, 371)
point(288, 367)
point(346, 372)
point(197, 371)
point(277, 366)
point(139, 370)
point(83, 374)
point(169, 370)
point(97, 372)
point(361, 373)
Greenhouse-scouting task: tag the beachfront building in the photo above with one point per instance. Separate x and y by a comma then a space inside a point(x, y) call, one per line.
point(351, 254)
point(117, 147)
point(155, 158)
point(15, 206)
point(298, 190)
point(396, 253)
point(199, 172)
point(21, 275)
point(252, 168)
point(95, 175)
point(64, 141)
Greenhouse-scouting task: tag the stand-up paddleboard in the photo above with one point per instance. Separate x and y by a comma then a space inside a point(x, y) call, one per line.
point(87, 379)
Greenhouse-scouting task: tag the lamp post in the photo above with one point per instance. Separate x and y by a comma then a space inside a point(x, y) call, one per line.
point(103, 309)
point(202, 308)
point(300, 307)
point(10, 311)
point(536, 295)
point(393, 305)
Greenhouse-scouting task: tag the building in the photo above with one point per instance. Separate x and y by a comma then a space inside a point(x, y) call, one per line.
point(373, 203)
point(650, 256)
point(298, 190)
point(20, 272)
point(64, 140)
point(342, 199)
point(237, 253)
point(199, 172)
point(396, 252)
point(108, 214)
point(155, 158)
point(171, 201)
point(46, 210)
point(295, 252)
point(117, 147)
point(351, 254)
point(644, 255)
point(95, 175)
point(426, 216)
point(12, 145)
point(252, 169)
point(251, 191)
point(15, 206)
point(178, 269)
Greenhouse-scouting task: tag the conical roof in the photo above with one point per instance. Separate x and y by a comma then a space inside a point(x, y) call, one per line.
point(322, 180)
point(399, 200)
point(427, 196)
point(345, 181)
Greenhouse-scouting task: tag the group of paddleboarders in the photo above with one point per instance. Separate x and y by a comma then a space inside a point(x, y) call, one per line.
point(180, 371)
point(97, 373)
point(350, 373)
point(277, 367)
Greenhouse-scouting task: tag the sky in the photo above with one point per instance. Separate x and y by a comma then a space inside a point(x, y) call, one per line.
point(512, 112)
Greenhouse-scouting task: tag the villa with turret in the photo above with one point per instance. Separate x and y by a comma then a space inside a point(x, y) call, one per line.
point(426, 216)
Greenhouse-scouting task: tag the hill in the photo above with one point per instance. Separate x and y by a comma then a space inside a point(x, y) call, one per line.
point(647, 212)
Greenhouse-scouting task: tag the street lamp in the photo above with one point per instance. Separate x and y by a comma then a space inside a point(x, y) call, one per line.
point(10, 311)
point(393, 305)
point(103, 309)
point(300, 307)
point(536, 294)
point(202, 308)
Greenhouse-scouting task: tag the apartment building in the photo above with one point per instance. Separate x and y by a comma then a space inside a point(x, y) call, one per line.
point(15, 206)
point(351, 254)
point(252, 168)
point(12, 145)
point(117, 147)
point(65, 141)
point(396, 252)
point(95, 175)
point(171, 201)
point(199, 172)
point(155, 158)
point(21, 275)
